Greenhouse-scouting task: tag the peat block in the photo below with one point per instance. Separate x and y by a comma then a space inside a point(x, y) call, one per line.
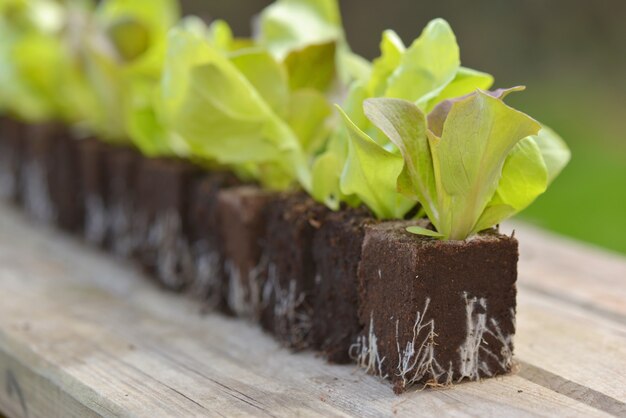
point(242, 218)
point(435, 312)
point(38, 170)
point(93, 169)
point(122, 163)
point(11, 155)
point(288, 294)
point(337, 253)
point(163, 190)
point(201, 225)
point(66, 186)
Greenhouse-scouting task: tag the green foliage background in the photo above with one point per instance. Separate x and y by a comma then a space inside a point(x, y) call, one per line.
point(570, 54)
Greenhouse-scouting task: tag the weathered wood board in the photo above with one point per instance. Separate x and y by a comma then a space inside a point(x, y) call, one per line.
point(82, 335)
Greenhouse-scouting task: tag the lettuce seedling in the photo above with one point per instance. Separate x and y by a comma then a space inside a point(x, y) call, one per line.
point(473, 162)
point(425, 73)
point(41, 77)
point(257, 106)
point(125, 50)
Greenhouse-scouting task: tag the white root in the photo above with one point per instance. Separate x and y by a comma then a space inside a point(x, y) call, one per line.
point(237, 292)
point(292, 316)
point(205, 274)
point(95, 219)
point(123, 240)
point(475, 350)
point(417, 362)
point(365, 352)
point(476, 325)
point(244, 297)
point(174, 262)
point(505, 356)
point(37, 199)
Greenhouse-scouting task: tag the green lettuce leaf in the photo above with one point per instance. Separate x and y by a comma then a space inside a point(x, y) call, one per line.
point(137, 31)
point(234, 108)
point(438, 115)
point(291, 25)
point(528, 171)
point(478, 135)
point(371, 173)
point(223, 117)
point(308, 34)
point(392, 50)
point(326, 175)
point(524, 177)
point(320, 57)
point(426, 73)
point(480, 166)
point(554, 151)
point(326, 183)
point(125, 50)
point(405, 126)
point(465, 82)
point(309, 117)
point(150, 107)
point(427, 66)
point(40, 75)
point(267, 76)
point(418, 230)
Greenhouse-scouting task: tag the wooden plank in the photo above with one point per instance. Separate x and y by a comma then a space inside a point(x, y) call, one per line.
point(562, 345)
point(86, 334)
point(28, 393)
point(573, 272)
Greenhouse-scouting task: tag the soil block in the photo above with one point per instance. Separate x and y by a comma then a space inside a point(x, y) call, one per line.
point(435, 312)
point(11, 155)
point(65, 183)
point(208, 278)
point(38, 170)
point(292, 221)
point(337, 253)
point(163, 190)
point(122, 163)
point(51, 183)
point(242, 226)
point(93, 169)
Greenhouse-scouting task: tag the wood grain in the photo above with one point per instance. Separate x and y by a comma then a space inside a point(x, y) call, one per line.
point(82, 334)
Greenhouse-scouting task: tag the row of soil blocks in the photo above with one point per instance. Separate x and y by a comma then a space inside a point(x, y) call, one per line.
point(416, 311)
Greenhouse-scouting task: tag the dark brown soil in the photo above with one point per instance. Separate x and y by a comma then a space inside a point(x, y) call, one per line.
point(93, 174)
point(39, 169)
point(11, 156)
point(292, 221)
point(122, 163)
point(452, 299)
point(337, 253)
point(201, 226)
point(66, 188)
point(163, 192)
point(242, 212)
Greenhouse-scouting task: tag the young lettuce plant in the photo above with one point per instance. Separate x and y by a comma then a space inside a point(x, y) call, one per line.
point(309, 34)
point(471, 163)
point(149, 124)
point(40, 75)
point(425, 73)
point(261, 107)
point(125, 51)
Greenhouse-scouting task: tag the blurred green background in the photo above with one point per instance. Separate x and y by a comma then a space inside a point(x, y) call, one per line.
point(571, 54)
